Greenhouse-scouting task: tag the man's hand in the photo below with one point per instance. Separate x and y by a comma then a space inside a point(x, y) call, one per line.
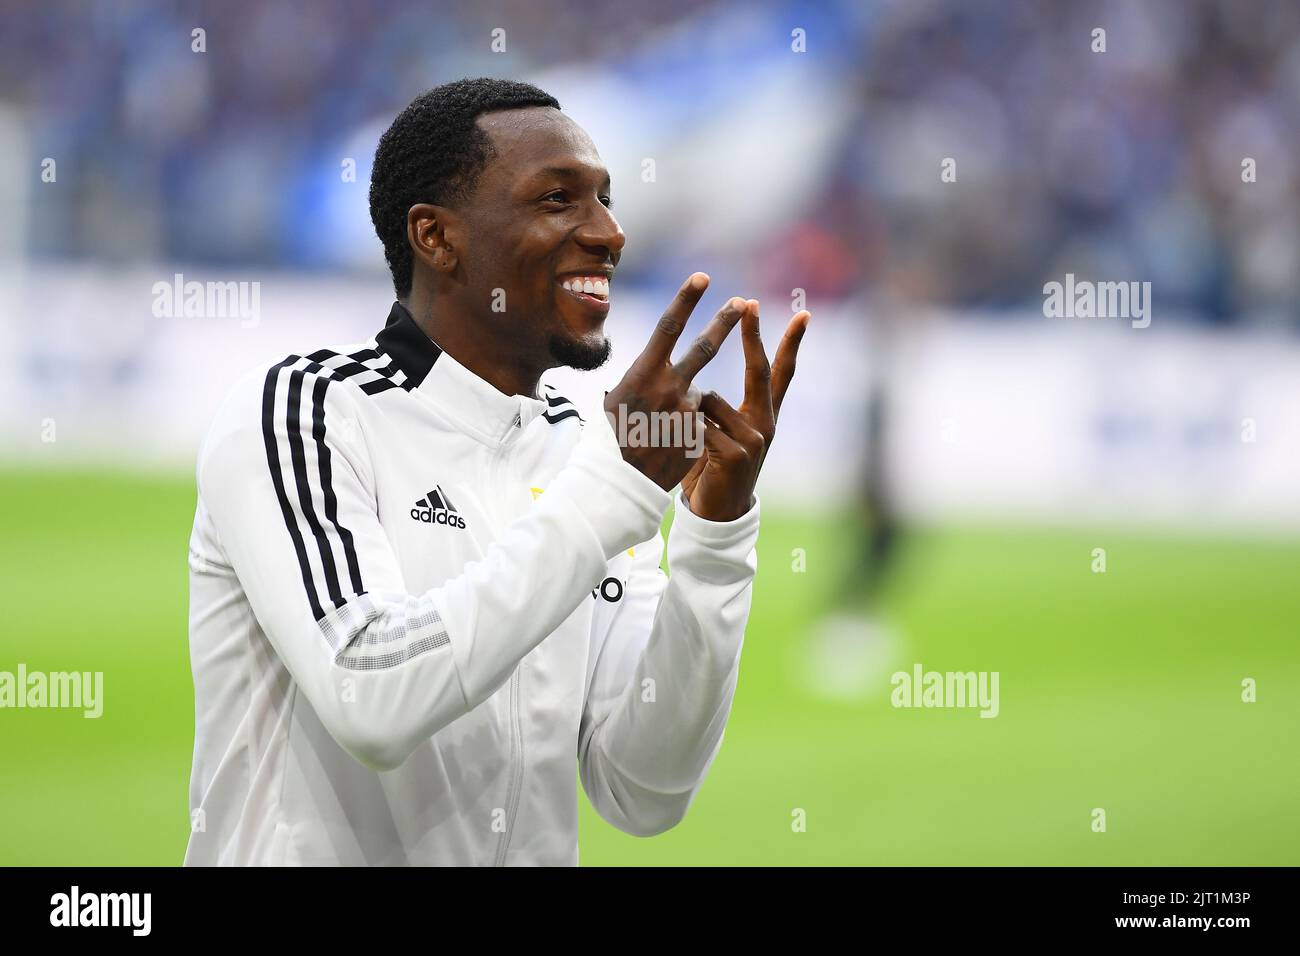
point(654, 385)
point(720, 486)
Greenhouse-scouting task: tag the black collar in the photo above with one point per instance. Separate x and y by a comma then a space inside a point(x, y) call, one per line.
point(459, 392)
point(412, 351)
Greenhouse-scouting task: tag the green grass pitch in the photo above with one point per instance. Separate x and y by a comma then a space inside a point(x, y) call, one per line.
point(1119, 691)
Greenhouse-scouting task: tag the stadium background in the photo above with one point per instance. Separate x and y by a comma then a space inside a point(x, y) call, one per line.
point(1012, 445)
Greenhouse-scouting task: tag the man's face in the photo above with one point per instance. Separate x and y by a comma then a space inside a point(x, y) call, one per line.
point(539, 217)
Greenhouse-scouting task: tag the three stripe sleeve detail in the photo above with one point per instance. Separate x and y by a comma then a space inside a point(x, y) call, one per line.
point(362, 631)
point(287, 461)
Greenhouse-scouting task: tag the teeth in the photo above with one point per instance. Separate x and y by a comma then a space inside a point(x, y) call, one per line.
point(597, 286)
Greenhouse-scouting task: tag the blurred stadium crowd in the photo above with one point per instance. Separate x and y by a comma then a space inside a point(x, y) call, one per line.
point(1125, 164)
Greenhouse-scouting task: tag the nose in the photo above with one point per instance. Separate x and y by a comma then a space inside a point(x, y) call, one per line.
point(601, 234)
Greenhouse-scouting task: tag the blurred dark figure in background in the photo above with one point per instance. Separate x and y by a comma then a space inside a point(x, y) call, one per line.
point(851, 648)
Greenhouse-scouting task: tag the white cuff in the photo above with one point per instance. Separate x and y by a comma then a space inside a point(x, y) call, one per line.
point(718, 552)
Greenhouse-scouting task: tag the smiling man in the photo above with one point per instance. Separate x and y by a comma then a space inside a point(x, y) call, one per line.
point(422, 584)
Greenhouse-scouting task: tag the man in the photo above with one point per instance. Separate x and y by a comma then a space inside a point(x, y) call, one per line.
point(421, 586)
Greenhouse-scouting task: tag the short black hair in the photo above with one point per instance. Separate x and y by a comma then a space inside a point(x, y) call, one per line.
point(434, 153)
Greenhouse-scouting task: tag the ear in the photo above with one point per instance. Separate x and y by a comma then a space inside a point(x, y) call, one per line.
point(431, 230)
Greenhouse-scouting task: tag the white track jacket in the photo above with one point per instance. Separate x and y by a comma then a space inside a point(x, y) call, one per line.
point(415, 601)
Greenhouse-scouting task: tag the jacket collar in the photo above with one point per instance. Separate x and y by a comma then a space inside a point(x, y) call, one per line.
point(458, 392)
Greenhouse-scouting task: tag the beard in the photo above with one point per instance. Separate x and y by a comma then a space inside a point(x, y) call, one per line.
point(579, 354)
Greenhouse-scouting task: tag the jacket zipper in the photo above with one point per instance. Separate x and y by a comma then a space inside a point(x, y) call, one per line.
point(515, 717)
point(516, 768)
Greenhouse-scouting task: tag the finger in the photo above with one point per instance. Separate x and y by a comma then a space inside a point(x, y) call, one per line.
point(758, 372)
point(701, 459)
point(786, 353)
point(721, 447)
point(659, 350)
point(733, 423)
point(708, 342)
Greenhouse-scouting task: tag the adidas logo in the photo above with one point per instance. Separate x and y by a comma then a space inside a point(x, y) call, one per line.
point(436, 508)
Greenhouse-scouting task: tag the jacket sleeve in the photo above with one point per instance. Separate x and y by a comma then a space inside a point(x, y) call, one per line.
point(665, 673)
point(287, 481)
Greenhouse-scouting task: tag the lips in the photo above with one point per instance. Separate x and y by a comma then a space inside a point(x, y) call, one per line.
point(591, 292)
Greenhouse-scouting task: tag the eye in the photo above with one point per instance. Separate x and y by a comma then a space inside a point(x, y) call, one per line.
point(607, 202)
point(560, 193)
